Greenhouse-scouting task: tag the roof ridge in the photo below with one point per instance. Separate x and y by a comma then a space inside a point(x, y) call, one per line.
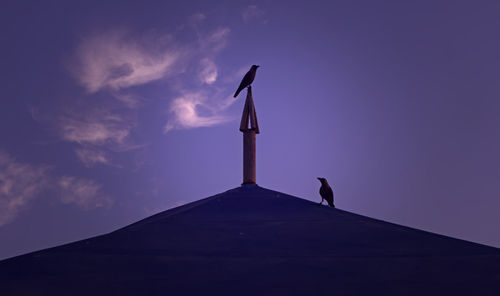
point(172, 211)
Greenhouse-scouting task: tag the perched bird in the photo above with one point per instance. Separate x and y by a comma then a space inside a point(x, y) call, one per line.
point(326, 192)
point(247, 80)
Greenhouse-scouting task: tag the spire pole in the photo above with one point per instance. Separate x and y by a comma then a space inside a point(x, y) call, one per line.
point(249, 116)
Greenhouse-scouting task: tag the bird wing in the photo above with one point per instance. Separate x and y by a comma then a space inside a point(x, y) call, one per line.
point(326, 192)
point(240, 88)
point(247, 79)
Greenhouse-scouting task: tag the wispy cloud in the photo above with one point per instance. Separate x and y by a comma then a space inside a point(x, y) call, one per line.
point(20, 183)
point(202, 106)
point(253, 12)
point(129, 100)
point(208, 71)
point(98, 134)
point(197, 18)
point(115, 60)
point(96, 127)
point(90, 156)
point(84, 193)
point(192, 110)
point(215, 40)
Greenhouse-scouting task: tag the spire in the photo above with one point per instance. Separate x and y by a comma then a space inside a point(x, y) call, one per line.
point(249, 116)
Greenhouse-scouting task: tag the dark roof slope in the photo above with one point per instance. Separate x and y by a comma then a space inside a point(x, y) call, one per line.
point(252, 240)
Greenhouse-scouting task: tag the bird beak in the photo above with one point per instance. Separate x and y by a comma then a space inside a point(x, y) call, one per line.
point(258, 66)
point(318, 178)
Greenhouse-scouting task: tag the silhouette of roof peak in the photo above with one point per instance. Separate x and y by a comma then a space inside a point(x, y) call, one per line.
point(250, 239)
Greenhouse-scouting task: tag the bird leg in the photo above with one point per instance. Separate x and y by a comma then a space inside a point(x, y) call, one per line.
point(322, 199)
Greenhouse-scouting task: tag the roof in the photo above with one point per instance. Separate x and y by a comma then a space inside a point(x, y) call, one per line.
point(252, 240)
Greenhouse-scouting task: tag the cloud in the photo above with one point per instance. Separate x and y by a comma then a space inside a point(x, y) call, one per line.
point(211, 40)
point(197, 18)
point(208, 72)
point(116, 60)
point(97, 127)
point(192, 110)
point(98, 134)
point(130, 101)
point(252, 12)
point(20, 183)
point(201, 106)
point(84, 193)
point(90, 157)
point(216, 40)
point(113, 59)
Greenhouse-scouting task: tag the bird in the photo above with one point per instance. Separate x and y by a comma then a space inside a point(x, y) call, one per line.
point(326, 192)
point(247, 79)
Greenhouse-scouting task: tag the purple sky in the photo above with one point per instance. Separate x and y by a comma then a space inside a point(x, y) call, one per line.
point(111, 112)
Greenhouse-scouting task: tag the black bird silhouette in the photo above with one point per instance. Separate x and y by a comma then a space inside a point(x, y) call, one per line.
point(247, 80)
point(326, 192)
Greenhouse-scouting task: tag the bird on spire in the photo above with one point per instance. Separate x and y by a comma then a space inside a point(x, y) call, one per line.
point(247, 80)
